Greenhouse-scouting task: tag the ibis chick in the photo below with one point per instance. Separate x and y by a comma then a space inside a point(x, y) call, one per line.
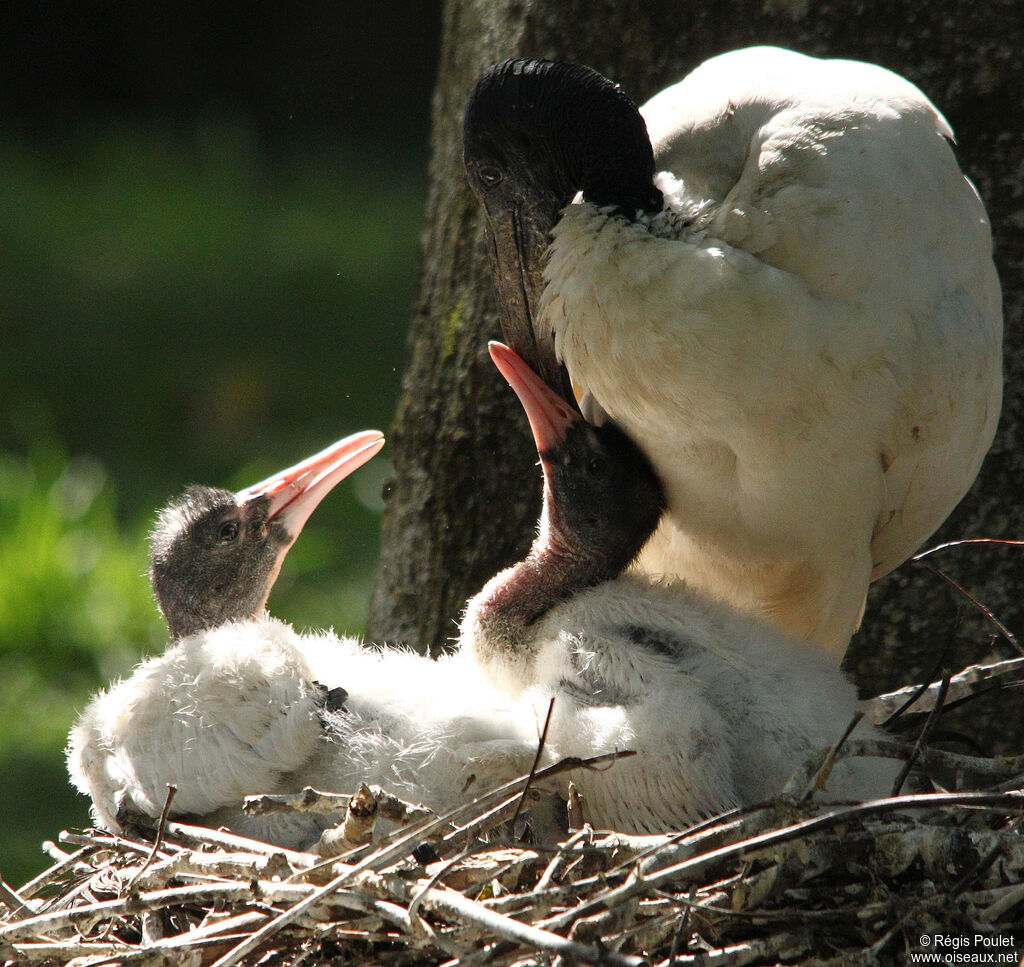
point(243, 704)
point(721, 708)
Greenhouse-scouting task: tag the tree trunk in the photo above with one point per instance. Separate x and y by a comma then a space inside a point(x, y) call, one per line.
point(466, 492)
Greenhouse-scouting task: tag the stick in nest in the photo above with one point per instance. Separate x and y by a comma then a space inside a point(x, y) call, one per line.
point(536, 760)
point(922, 740)
point(574, 808)
point(356, 829)
point(961, 590)
point(171, 790)
point(310, 800)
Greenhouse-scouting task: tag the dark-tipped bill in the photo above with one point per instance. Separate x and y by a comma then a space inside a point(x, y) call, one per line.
point(549, 415)
point(294, 493)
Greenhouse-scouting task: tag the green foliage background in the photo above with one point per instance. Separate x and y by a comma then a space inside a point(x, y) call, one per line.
point(178, 303)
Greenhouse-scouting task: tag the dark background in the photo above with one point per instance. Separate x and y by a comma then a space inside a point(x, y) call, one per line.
point(209, 225)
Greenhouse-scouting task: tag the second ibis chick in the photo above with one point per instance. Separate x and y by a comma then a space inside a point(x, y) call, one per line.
point(232, 705)
point(720, 707)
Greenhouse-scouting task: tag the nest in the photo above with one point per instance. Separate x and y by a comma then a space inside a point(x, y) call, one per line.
point(788, 881)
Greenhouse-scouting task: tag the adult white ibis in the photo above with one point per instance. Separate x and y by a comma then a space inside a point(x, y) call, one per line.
point(720, 707)
point(780, 285)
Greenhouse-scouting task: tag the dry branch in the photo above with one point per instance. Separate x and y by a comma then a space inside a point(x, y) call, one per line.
point(312, 800)
point(968, 682)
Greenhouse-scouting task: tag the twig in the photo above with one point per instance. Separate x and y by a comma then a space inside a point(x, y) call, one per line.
point(92, 913)
point(768, 949)
point(640, 850)
point(202, 866)
point(236, 924)
point(483, 823)
point(698, 864)
point(816, 782)
point(536, 761)
point(213, 933)
point(922, 740)
point(964, 542)
point(563, 765)
point(977, 870)
point(355, 830)
point(10, 898)
point(51, 849)
point(210, 894)
point(558, 860)
point(684, 925)
point(109, 841)
point(1001, 767)
point(961, 685)
point(257, 939)
point(452, 904)
point(201, 836)
point(876, 948)
point(48, 876)
point(64, 953)
point(574, 808)
point(310, 800)
point(1012, 897)
point(940, 665)
point(171, 790)
point(960, 589)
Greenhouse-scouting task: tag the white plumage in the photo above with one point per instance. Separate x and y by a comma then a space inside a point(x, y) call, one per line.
point(250, 706)
point(721, 709)
point(805, 338)
point(242, 709)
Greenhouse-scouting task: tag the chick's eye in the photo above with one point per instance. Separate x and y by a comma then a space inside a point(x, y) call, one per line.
point(490, 175)
point(597, 465)
point(228, 531)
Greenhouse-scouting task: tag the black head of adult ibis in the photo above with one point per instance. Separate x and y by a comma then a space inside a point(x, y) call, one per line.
point(775, 278)
point(216, 554)
point(535, 133)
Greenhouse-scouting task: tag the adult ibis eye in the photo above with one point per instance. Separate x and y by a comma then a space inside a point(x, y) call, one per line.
point(228, 531)
point(490, 175)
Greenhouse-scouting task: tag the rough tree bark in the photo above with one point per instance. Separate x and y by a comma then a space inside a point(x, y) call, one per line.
point(465, 495)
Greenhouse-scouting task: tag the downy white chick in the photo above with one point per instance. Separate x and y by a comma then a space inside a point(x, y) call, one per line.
point(721, 708)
